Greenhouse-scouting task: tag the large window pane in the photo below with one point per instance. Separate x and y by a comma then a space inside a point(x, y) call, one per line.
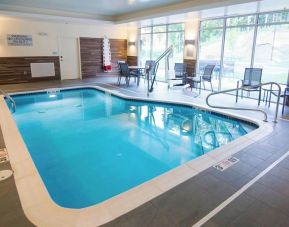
point(245, 20)
point(155, 40)
point(216, 23)
point(210, 46)
point(176, 27)
point(161, 28)
point(146, 30)
point(272, 52)
point(145, 48)
point(274, 17)
point(177, 40)
point(159, 46)
point(237, 55)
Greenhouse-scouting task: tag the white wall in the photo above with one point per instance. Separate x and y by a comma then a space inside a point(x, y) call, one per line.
point(49, 39)
point(132, 36)
point(48, 45)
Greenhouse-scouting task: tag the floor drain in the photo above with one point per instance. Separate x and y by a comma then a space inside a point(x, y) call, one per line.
point(5, 174)
point(3, 155)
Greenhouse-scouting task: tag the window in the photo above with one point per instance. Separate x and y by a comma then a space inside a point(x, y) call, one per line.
point(237, 54)
point(210, 51)
point(176, 27)
point(272, 51)
point(145, 47)
point(245, 20)
point(274, 18)
point(216, 23)
point(156, 39)
point(236, 42)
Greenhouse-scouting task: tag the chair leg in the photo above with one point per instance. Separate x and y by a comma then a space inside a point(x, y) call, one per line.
point(204, 85)
point(118, 80)
point(259, 100)
point(267, 96)
point(211, 86)
point(283, 106)
point(264, 96)
point(270, 99)
point(127, 81)
point(242, 94)
point(237, 95)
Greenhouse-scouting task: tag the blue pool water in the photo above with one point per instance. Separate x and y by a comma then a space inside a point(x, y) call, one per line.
point(89, 146)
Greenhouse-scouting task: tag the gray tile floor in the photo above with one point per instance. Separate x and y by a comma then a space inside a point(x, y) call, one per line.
point(266, 203)
point(11, 213)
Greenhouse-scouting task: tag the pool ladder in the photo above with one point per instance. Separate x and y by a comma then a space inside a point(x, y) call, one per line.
point(248, 109)
point(10, 99)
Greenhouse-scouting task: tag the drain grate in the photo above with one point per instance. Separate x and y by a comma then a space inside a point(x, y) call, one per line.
point(5, 174)
point(3, 155)
point(226, 163)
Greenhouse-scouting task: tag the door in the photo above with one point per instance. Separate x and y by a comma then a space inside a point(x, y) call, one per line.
point(69, 58)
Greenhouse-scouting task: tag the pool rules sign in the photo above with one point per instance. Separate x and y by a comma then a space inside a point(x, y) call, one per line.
point(19, 40)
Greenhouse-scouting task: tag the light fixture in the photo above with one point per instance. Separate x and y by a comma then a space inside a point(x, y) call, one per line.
point(131, 43)
point(190, 42)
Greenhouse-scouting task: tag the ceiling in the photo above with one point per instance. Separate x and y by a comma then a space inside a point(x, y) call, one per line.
point(101, 7)
point(117, 11)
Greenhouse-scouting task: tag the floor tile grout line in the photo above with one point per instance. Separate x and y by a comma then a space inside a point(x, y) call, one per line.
point(239, 192)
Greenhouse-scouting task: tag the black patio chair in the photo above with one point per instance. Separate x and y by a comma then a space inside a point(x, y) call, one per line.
point(251, 82)
point(180, 74)
point(151, 71)
point(148, 65)
point(119, 71)
point(206, 76)
point(126, 73)
point(284, 95)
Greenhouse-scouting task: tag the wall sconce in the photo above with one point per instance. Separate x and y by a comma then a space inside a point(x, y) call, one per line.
point(190, 42)
point(131, 43)
point(190, 49)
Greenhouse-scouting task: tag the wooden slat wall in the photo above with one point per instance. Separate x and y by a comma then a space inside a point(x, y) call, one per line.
point(132, 60)
point(17, 69)
point(191, 66)
point(91, 55)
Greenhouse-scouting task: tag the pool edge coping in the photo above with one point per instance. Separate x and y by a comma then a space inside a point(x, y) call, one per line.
point(42, 210)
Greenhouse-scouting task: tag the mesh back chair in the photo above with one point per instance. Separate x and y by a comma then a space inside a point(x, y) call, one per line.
point(151, 71)
point(148, 65)
point(206, 76)
point(153, 68)
point(119, 71)
point(284, 95)
point(180, 74)
point(251, 82)
point(126, 73)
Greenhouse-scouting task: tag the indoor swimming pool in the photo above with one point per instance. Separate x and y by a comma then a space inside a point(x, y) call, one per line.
point(89, 146)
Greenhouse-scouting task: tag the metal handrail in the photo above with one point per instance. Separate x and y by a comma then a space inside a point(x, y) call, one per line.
point(166, 54)
point(249, 109)
point(10, 99)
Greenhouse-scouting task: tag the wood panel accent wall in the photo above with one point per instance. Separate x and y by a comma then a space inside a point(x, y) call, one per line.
point(132, 60)
point(191, 66)
point(15, 70)
point(91, 55)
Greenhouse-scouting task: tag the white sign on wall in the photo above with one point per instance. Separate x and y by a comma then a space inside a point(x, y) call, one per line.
point(19, 40)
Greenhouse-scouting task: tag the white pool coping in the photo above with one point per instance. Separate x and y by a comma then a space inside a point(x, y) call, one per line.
point(41, 210)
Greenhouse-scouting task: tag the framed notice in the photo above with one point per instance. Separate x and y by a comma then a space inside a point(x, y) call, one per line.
point(19, 40)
